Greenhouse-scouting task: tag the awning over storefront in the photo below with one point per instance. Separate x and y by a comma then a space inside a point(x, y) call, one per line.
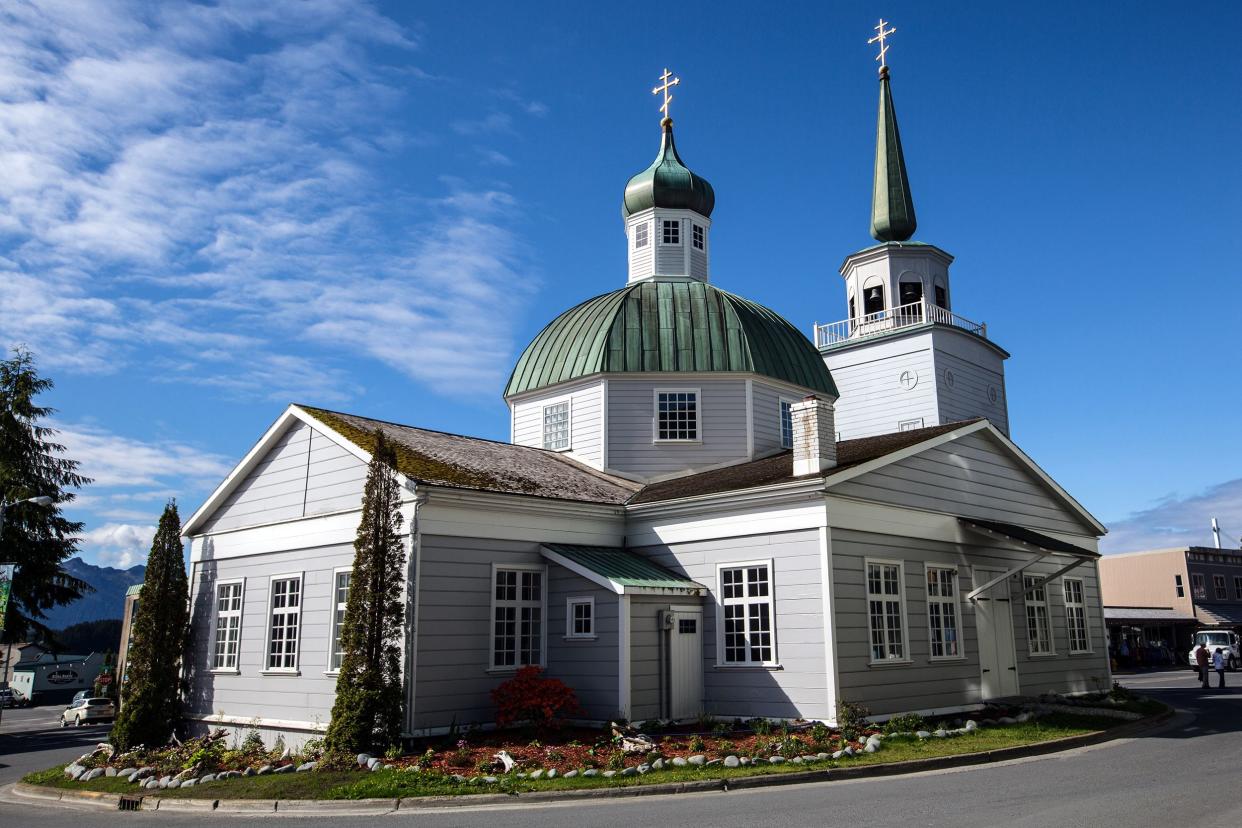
point(1043, 545)
point(1147, 615)
point(1219, 615)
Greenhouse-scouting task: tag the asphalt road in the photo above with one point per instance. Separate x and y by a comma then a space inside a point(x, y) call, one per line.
point(1185, 773)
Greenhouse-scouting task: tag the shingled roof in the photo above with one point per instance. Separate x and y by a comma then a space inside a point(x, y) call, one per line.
point(441, 459)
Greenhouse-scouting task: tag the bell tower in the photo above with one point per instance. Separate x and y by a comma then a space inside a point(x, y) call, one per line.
point(902, 358)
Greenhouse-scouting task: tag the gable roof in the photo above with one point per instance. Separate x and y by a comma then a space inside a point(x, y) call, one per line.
point(619, 570)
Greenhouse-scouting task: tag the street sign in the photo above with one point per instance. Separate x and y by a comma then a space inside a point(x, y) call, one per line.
point(105, 679)
point(6, 587)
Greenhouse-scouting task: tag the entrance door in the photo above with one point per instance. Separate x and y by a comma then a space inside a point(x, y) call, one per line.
point(998, 658)
point(685, 651)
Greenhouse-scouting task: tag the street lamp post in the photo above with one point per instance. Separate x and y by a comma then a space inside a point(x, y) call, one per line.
point(41, 500)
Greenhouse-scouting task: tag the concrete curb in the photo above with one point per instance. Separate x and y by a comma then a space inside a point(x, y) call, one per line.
point(319, 807)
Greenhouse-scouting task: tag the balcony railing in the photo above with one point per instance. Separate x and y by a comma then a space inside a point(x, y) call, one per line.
point(885, 321)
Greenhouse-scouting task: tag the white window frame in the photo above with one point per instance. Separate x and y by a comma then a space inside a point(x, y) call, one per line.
point(955, 602)
point(655, 415)
point(1029, 603)
point(1220, 587)
point(1070, 606)
point(568, 402)
point(1237, 587)
point(901, 598)
point(722, 602)
point(334, 625)
point(664, 225)
point(641, 236)
point(781, 404)
point(698, 236)
point(1179, 588)
point(215, 623)
point(267, 623)
point(1198, 586)
point(910, 425)
point(492, 667)
point(571, 634)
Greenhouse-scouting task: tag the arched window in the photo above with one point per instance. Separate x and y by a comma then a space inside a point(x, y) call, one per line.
point(853, 309)
point(942, 295)
point(910, 297)
point(873, 299)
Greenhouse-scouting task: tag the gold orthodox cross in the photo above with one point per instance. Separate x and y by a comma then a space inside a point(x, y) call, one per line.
point(879, 38)
point(668, 84)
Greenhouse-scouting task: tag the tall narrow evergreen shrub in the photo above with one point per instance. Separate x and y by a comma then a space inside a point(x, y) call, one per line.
point(151, 696)
point(369, 699)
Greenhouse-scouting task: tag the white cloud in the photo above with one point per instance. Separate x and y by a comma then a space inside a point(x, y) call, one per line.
point(1181, 521)
point(118, 544)
point(113, 461)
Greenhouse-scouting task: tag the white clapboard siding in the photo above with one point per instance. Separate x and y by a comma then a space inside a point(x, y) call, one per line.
point(586, 427)
point(968, 396)
point(873, 398)
point(765, 408)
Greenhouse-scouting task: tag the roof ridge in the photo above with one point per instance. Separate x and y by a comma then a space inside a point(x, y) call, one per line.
point(428, 430)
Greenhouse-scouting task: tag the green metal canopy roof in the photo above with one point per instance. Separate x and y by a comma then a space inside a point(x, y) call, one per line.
point(668, 182)
point(669, 326)
point(620, 568)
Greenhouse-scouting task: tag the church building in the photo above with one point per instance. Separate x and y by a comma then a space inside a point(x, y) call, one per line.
point(699, 510)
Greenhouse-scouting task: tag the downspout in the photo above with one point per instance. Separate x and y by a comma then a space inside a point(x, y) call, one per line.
point(413, 579)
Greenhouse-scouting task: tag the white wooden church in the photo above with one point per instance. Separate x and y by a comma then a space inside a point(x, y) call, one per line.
point(699, 510)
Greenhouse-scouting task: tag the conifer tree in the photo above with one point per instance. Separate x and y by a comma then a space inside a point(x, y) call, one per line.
point(151, 696)
point(369, 698)
point(36, 538)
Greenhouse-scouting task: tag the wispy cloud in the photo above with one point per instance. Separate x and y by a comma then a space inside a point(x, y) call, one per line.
point(1180, 521)
point(119, 544)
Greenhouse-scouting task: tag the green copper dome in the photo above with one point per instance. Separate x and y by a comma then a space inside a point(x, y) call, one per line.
point(669, 326)
point(668, 183)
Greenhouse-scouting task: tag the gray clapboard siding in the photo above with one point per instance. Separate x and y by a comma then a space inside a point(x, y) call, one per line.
point(968, 396)
point(972, 477)
point(799, 687)
point(765, 408)
point(670, 258)
point(646, 679)
point(873, 399)
point(586, 410)
point(698, 264)
point(305, 473)
point(587, 666)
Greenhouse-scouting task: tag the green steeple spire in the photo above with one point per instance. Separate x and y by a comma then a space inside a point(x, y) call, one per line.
point(892, 206)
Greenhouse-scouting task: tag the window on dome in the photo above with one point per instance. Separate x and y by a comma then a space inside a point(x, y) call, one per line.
point(677, 415)
point(640, 236)
point(786, 424)
point(696, 236)
point(672, 231)
point(556, 426)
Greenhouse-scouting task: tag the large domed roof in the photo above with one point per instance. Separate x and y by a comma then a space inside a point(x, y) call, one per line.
point(668, 182)
point(669, 326)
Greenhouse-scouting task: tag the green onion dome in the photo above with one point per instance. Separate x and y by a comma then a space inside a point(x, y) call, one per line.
point(665, 327)
point(668, 182)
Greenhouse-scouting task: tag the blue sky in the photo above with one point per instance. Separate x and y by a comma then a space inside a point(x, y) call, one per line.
point(211, 210)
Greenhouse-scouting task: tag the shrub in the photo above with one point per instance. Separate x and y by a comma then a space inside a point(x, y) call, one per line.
point(312, 749)
point(695, 743)
point(760, 726)
point(851, 719)
point(529, 697)
point(905, 723)
point(820, 733)
point(616, 761)
point(393, 752)
point(428, 757)
point(253, 743)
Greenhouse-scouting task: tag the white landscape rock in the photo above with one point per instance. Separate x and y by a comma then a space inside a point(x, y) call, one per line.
point(679, 762)
point(698, 759)
point(732, 762)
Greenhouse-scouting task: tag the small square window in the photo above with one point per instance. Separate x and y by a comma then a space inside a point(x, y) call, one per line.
point(910, 425)
point(696, 236)
point(556, 426)
point(687, 626)
point(640, 236)
point(580, 619)
point(677, 415)
point(672, 232)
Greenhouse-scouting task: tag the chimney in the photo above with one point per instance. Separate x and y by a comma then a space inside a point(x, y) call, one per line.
point(814, 436)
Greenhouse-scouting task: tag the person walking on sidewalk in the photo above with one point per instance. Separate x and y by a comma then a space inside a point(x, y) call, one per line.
point(1218, 662)
point(1203, 659)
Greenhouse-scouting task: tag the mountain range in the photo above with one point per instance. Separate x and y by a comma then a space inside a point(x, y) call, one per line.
point(108, 599)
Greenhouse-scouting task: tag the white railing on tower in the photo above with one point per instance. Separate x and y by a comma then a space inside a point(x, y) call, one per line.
point(902, 316)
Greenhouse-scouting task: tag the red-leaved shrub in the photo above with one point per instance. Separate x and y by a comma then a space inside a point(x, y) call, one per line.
point(529, 697)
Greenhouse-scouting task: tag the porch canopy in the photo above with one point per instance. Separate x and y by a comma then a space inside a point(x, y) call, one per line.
point(1146, 615)
point(620, 570)
point(1042, 545)
point(1219, 615)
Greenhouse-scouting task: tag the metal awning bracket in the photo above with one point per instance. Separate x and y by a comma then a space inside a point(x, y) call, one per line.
point(979, 590)
point(1056, 574)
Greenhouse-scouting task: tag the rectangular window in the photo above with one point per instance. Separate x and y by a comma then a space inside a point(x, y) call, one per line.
point(286, 611)
point(1218, 587)
point(1076, 617)
point(580, 618)
point(340, 596)
point(228, 625)
point(910, 425)
point(746, 614)
point(672, 232)
point(517, 615)
point(786, 424)
point(1181, 590)
point(1198, 586)
point(886, 611)
point(1237, 587)
point(640, 236)
point(556, 426)
point(677, 415)
point(696, 236)
point(942, 612)
point(1038, 623)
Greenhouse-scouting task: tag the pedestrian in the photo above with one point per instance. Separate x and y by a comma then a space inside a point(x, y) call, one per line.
point(1202, 658)
point(1218, 661)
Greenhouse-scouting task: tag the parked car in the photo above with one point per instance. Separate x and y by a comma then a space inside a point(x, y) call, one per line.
point(88, 711)
point(12, 698)
point(1226, 640)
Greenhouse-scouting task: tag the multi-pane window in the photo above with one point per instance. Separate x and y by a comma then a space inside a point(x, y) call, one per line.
point(1076, 616)
point(556, 426)
point(1038, 622)
point(580, 618)
point(696, 236)
point(517, 639)
point(677, 415)
point(672, 231)
point(228, 625)
point(1181, 590)
point(1198, 586)
point(1237, 587)
point(340, 597)
point(885, 611)
point(786, 424)
point(640, 236)
point(1218, 587)
point(286, 610)
point(746, 613)
point(942, 612)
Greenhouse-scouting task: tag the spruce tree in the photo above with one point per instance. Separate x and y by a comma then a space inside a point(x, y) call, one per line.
point(36, 538)
point(369, 698)
point(151, 696)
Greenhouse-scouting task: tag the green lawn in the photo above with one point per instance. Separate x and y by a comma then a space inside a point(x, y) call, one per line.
point(391, 784)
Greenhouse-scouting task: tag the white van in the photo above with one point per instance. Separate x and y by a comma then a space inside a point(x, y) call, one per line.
point(1228, 642)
